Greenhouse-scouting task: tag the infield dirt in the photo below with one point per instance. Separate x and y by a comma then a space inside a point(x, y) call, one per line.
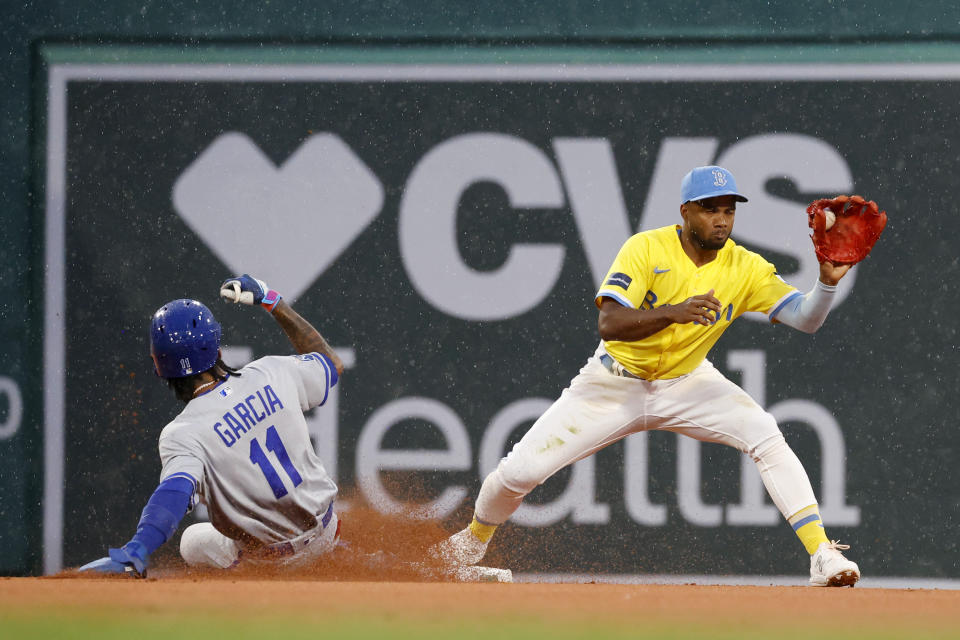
point(379, 578)
point(843, 612)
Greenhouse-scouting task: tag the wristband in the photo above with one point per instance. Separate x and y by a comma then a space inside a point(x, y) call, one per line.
point(270, 300)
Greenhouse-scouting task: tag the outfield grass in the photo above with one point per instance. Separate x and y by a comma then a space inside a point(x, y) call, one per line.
point(238, 608)
point(155, 625)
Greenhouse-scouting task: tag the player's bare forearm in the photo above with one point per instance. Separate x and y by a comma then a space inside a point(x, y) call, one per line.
point(302, 335)
point(617, 322)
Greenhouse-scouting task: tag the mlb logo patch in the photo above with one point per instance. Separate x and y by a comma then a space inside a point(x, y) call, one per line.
point(621, 280)
point(225, 392)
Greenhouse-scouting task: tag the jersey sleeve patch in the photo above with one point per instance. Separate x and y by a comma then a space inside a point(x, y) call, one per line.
point(618, 279)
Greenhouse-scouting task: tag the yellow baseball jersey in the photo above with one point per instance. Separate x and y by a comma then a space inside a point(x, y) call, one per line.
point(652, 270)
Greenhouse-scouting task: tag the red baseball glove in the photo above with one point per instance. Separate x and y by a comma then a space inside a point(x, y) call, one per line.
point(857, 225)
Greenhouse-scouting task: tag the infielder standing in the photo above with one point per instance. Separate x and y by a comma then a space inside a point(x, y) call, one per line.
point(240, 446)
point(668, 297)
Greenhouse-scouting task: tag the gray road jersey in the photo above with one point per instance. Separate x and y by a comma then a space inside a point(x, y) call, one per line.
point(245, 446)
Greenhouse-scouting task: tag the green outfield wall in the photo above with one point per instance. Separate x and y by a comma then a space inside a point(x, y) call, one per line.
point(441, 196)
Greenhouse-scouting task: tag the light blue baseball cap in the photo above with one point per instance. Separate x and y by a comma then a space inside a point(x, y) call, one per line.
point(708, 182)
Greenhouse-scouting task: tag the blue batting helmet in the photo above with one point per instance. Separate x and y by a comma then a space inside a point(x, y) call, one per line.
point(184, 339)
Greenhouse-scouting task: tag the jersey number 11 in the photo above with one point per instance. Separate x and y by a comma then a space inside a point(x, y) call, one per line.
point(259, 458)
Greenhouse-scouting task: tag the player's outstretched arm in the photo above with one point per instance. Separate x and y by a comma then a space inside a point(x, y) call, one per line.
point(302, 335)
point(159, 521)
point(808, 312)
point(617, 322)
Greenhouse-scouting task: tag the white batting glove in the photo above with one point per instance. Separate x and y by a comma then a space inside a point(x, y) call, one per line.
point(246, 289)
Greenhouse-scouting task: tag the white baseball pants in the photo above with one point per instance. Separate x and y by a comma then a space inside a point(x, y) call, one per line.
point(600, 407)
point(201, 545)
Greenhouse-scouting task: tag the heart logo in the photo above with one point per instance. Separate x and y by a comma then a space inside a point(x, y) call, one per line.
point(285, 224)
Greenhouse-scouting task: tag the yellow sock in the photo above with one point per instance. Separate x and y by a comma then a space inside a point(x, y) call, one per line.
point(807, 525)
point(483, 531)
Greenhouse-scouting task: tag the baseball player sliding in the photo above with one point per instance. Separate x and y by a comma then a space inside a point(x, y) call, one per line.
point(240, 446)
point(670, 294)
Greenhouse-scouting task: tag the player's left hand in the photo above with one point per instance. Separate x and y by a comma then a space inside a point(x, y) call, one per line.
point(845, 228)
point(129, 560)
point(246, 289)
point(831, 273)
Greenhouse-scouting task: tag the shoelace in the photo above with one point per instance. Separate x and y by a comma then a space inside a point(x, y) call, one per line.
point(836, 546)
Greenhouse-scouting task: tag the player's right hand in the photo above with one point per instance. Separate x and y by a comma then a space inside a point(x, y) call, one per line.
point(129, 560)
point(248, 290)
point(703, 309)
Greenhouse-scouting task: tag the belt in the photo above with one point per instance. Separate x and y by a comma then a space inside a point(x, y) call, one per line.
point(616, 368)
point(295, 546)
